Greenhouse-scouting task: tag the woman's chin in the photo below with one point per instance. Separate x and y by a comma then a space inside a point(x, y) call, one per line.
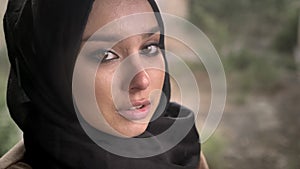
point(131, 130)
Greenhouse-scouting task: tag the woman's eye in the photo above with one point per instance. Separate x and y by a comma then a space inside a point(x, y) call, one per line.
point(150, 50)
point(103, 55)
point(108, 56)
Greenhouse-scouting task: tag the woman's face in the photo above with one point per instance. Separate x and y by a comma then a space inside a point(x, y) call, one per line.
point(126, 86)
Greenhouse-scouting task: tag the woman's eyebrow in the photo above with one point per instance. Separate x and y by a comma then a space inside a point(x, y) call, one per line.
point(114, 38)
point(151, 32)
point(102, 37)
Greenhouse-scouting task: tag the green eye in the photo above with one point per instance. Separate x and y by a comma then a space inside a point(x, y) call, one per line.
point(150, 50)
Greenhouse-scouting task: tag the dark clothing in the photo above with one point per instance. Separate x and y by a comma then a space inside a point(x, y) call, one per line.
point(13, 159)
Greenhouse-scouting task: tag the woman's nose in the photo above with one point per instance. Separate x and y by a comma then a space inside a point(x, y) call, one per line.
point(141, 81)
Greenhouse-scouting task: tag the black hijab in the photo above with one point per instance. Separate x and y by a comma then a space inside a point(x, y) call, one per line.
point(43, 39)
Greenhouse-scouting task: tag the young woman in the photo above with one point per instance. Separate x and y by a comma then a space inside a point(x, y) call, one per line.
point(51, 43)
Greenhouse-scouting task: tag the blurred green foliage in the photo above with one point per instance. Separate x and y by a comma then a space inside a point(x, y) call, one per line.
point(253, 72)
point(213, 149)
point(286, 39)
point(256, 41)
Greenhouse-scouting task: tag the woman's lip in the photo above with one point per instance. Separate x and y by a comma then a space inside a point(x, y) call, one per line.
point(140, 102)
point(134, 113)
point(134, 103)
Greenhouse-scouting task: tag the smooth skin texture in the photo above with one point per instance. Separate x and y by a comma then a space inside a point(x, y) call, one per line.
point(116, 64)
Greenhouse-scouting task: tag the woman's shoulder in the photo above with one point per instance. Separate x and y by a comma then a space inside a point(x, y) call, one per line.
point(11, 160)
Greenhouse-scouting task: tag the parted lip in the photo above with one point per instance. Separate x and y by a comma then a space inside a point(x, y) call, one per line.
point(137, 111)
point(143, 102)
point(136, 104)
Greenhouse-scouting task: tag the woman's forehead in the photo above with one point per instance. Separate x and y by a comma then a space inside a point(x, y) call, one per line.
point(106, 11)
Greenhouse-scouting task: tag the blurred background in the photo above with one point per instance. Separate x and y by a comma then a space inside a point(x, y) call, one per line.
point(259, 45)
